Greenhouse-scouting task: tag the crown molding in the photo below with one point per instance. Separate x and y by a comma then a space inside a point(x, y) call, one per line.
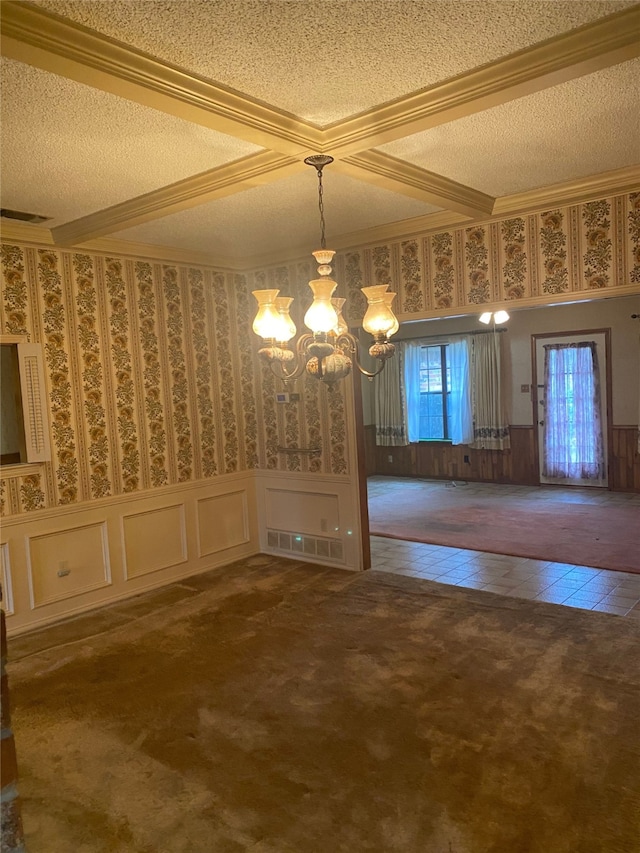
point(247, 173)
point(40, 38)
point(399, 176)
point(590, 48)
point(22, 232)
point(378, 235)
point(168, 254)
point(430, 223)
point(37, 235)
point(604, 185)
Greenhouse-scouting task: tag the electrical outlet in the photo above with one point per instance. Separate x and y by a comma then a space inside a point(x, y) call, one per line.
point(389, 458)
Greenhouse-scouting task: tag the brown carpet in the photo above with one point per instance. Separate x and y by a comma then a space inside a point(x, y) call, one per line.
point(606, 537)
point(274, 707)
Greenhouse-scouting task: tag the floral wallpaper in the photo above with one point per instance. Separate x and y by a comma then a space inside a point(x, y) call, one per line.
point(153, 377)
point(592, 246)
point(152, 370)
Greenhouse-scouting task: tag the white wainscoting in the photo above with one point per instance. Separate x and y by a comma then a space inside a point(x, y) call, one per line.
point(56, 563)
point(5, 579)
point(155, 539)
point(309, 517)
point(223, 522)
point(62, 564)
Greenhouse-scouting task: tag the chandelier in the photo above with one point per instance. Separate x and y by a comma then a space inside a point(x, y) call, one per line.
point(328, 351)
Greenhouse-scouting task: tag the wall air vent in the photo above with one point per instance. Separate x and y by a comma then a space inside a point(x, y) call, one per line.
point(21, 216)
point(313, 546)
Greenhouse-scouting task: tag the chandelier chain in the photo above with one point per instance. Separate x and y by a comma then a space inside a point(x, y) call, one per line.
point(319, 161)
point(323, 242)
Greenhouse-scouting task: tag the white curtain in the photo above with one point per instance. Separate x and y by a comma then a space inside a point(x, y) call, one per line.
point(390, 408)
point(412, 352)
point(461, 412)
point(491, 428)
point(573, 440)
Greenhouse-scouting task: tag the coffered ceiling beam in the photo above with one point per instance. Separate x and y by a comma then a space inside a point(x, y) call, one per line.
point(584, 50)
point(247, 173)
point(57, 45)
point(389, 173)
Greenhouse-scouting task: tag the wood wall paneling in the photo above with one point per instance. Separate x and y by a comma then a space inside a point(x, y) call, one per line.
point(624, 462)
point(517, 466)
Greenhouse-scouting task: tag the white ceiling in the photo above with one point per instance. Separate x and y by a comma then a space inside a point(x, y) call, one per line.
point(436, 113)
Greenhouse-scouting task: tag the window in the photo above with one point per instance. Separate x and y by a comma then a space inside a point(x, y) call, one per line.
point(24, 432)
point(435, 393)
point(437, 388)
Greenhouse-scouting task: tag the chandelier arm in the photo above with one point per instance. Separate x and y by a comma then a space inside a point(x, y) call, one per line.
point(348, 341)
point(369, 373)
point(279, 369)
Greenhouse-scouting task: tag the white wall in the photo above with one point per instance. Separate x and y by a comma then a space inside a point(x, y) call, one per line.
point(604, 313)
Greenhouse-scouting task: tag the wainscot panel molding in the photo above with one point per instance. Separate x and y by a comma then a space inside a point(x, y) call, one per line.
point(223, 522)
point(315, 519)
point(5, 579)
point(153, 540)
point(64, 564)
point(57, 563)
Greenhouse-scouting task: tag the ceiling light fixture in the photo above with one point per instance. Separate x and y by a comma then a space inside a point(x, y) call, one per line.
point(329, 350)
point(498, 317)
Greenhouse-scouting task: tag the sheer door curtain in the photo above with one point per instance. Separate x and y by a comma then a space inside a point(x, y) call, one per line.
point(573, 437)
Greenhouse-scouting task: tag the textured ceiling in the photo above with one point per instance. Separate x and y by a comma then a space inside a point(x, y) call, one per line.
point(563, 133)
point(184, 124)
point(100, 148)
point(289, 206)
point(323, 61)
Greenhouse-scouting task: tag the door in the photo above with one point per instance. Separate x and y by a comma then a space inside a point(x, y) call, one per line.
point(571, 411)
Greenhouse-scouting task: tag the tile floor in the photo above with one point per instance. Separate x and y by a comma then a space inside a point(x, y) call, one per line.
point(559, 583)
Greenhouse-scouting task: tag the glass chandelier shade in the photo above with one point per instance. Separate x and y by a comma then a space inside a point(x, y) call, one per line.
point(321, 316)
point(388, 298)
point(341, 326)
point(287, 326)
point(379, 319)
point(267, 321)
point(328, 351)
